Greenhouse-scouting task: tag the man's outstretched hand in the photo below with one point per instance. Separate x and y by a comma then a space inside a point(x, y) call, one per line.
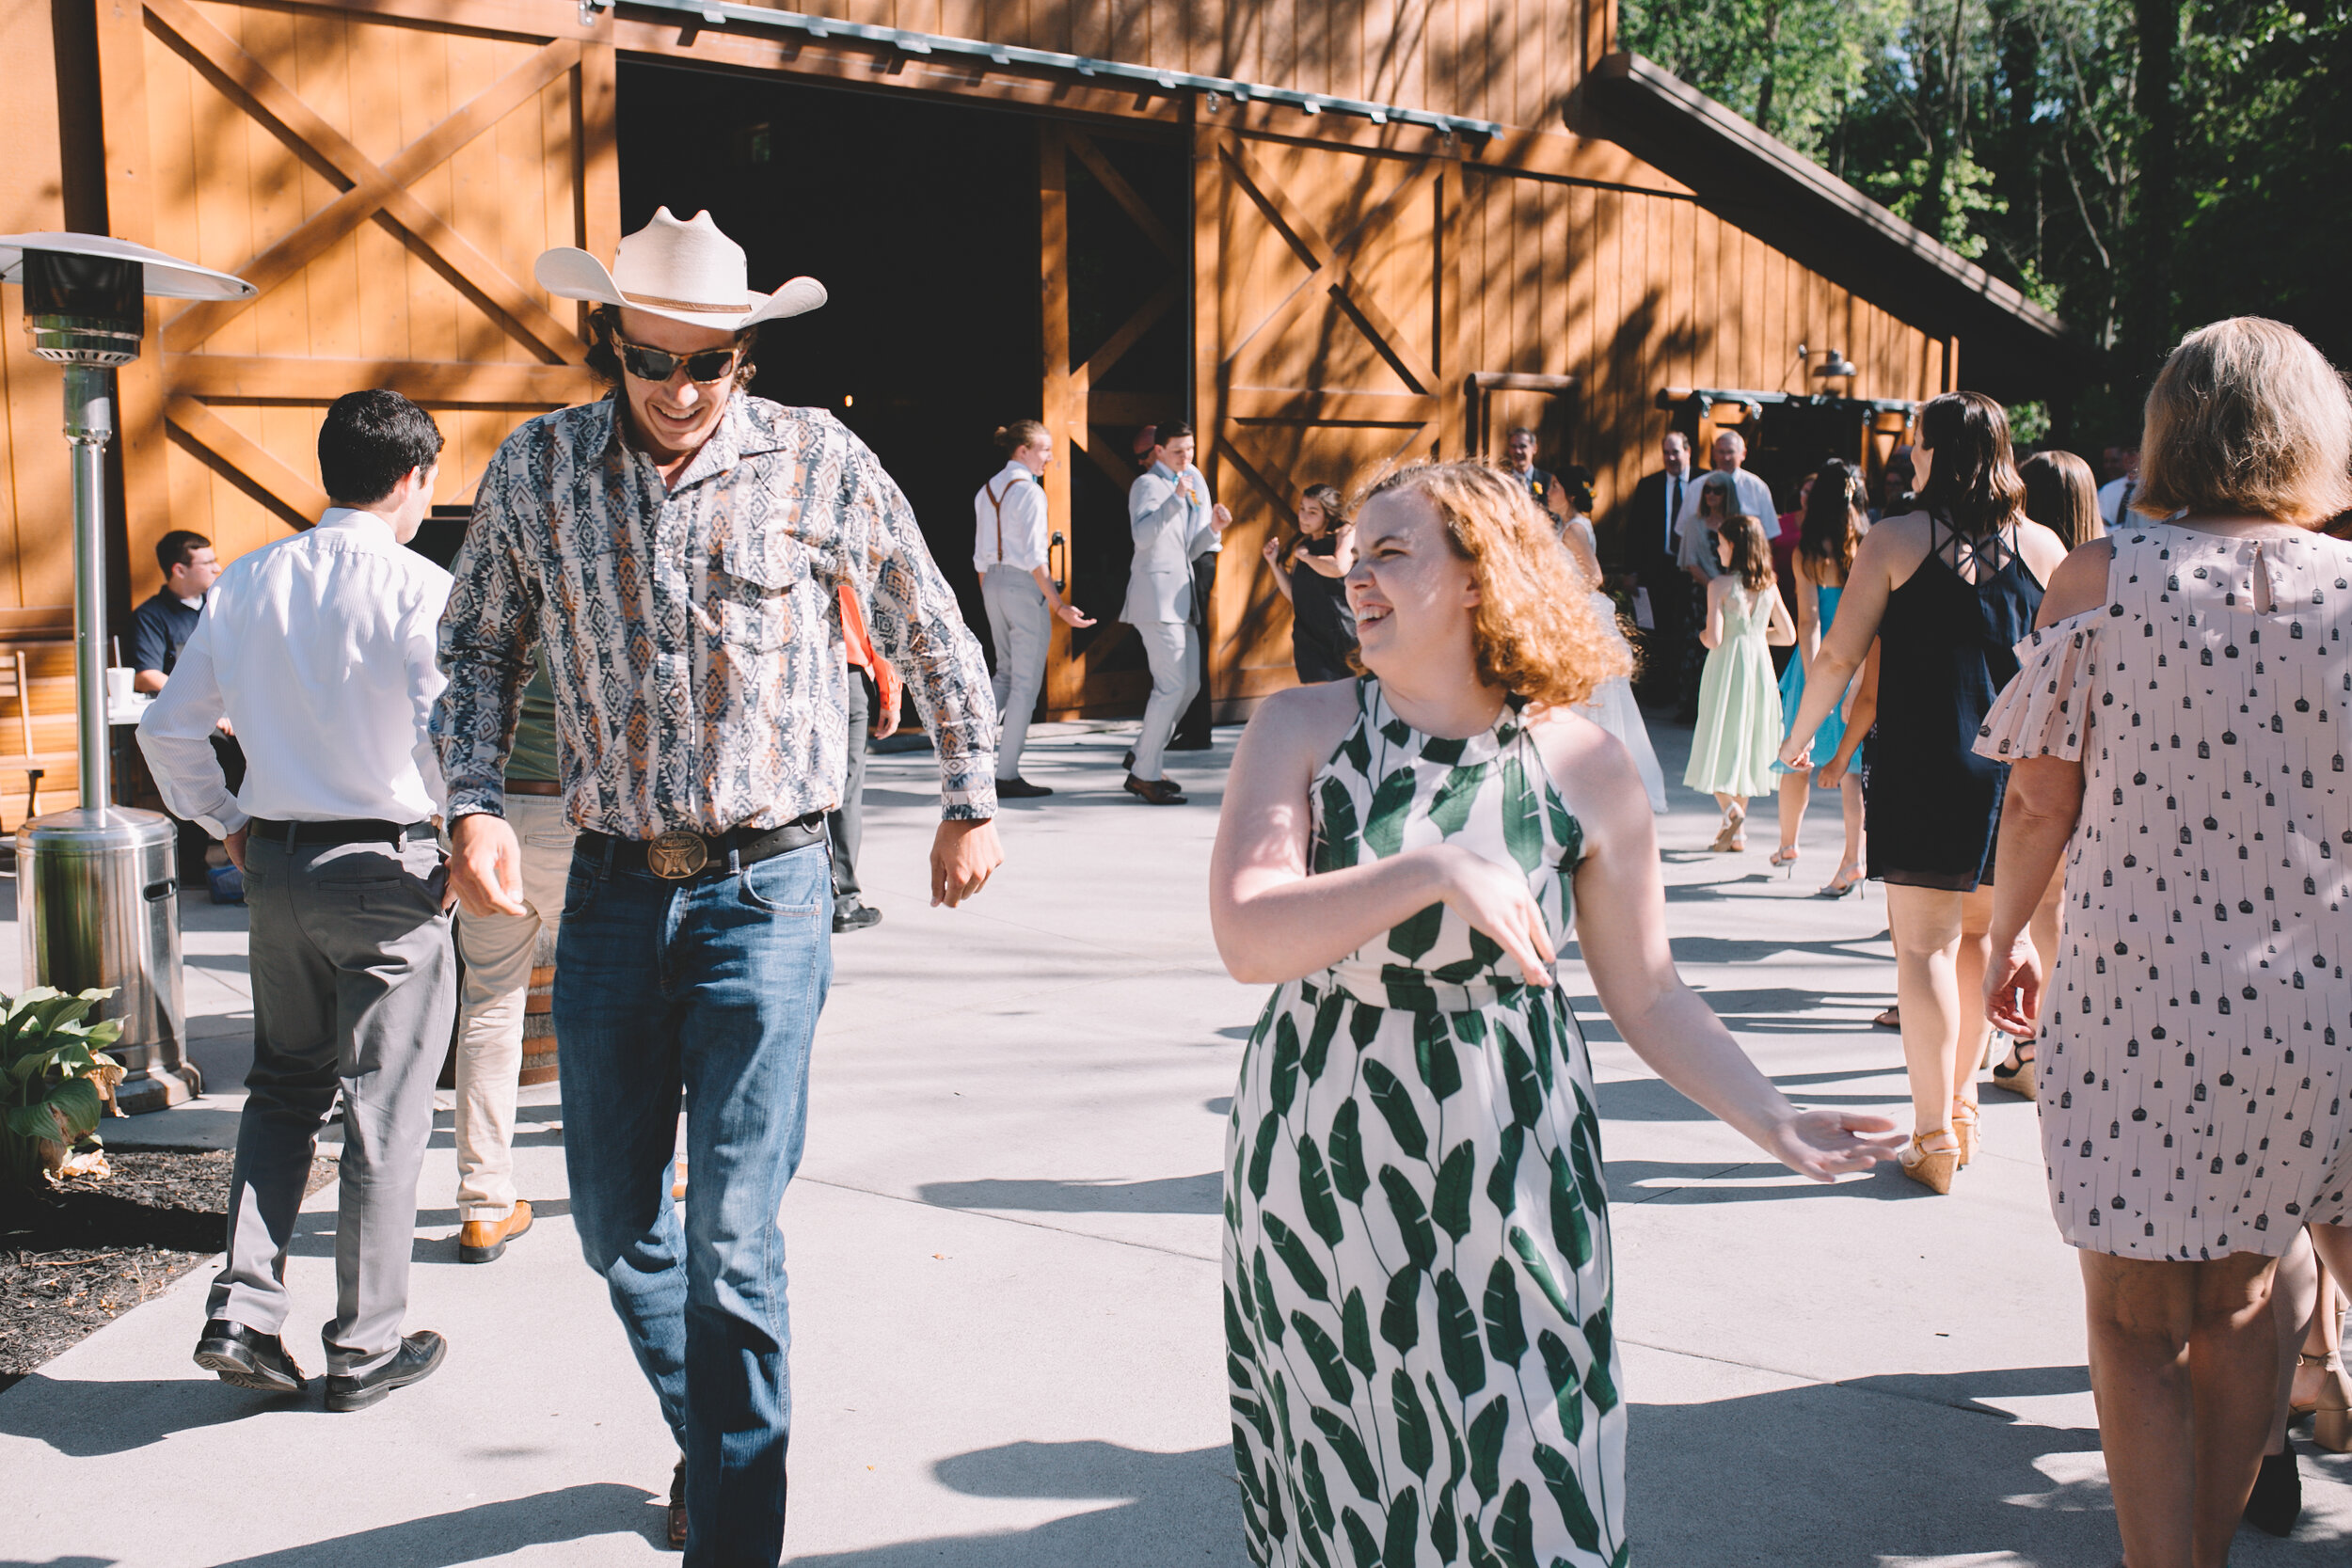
point(963, 856)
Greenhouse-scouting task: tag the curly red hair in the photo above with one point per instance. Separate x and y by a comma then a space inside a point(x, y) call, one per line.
point(1537, 631)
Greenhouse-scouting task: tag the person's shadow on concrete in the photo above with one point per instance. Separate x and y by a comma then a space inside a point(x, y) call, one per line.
point(1895, 1470)
point(88, 1420)
point(1163, 1509)
point(483, 1532)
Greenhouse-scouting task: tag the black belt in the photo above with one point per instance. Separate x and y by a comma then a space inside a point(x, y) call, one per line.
point(343, 831)
point(679, 855)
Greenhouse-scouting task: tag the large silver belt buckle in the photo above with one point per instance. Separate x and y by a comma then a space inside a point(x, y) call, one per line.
point(675, 856)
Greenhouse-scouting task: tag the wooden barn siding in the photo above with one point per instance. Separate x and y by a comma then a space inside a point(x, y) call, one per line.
point(1631, 293)
point(1628, 291)
point(36, 526)
point(1512, 61)
point(36, 535)
point(369, 296)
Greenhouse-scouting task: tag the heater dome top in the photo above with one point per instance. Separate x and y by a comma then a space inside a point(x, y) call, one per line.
point(166, 277)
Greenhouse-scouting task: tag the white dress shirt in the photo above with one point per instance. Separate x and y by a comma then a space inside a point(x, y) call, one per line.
point(2114, 496)
point(1755, 500)
point(1008, 513)
point(320, 649)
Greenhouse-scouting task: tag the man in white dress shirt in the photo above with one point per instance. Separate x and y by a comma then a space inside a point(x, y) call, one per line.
point(1009, 548)
point(2115, 495)
point(1174, 520)
point(321, 650)
point(1698, 554)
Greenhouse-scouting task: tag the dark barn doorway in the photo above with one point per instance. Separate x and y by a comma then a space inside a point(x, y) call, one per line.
point(921, 220)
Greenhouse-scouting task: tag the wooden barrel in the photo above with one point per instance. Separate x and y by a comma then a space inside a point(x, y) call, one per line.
point(539, 1016)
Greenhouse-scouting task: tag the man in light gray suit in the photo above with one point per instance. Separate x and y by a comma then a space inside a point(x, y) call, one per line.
point(1174, 520)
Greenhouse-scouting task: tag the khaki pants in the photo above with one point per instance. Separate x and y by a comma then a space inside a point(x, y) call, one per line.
point(499, 951)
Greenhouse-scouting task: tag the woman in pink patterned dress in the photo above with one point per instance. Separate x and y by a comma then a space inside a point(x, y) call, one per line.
point(2178, 730)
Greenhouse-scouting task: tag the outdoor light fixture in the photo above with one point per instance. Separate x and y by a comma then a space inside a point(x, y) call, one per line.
point(95, 885)
point(1836, 365)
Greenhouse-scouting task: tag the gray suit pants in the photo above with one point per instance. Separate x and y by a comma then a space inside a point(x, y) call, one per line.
point(1022, 627)
point(354, 988)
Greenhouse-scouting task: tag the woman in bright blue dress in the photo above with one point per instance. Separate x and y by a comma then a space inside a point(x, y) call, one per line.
point(1833, 526)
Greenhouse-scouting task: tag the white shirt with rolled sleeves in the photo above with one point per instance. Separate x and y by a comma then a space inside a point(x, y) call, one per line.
point(321, 650)
point(1009, 517)
point(1169, 517)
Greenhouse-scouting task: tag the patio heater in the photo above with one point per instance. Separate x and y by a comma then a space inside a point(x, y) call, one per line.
point(95, 885)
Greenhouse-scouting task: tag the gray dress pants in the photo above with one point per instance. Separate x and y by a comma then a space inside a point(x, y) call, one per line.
point(355, 988)
point(1022, 629)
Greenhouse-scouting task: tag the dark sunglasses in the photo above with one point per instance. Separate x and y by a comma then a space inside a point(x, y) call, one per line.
point(654, 364)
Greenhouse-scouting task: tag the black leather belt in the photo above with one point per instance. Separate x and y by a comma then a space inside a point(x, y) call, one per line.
point(346, 831)
point(679, 855)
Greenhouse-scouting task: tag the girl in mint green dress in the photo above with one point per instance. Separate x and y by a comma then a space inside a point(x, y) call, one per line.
point(1740, 720)
point(1420, 1346)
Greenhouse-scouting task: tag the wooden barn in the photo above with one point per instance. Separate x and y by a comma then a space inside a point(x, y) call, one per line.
point(1331, 233)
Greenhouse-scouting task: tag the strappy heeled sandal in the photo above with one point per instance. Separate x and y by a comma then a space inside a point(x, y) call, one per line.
point(1964, 1129)
point(1848, 880)
point(2015, 1072)
point(2332, 1411)
point(1783, 857)
point(1933, 1168)
point(1733, 836)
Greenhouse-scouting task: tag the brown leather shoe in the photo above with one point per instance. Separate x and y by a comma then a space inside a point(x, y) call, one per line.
point(481, 1241)
point(677, 1507)
point(1157, 792)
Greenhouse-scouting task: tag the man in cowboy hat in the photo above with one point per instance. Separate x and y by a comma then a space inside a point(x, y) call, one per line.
point(676, 549)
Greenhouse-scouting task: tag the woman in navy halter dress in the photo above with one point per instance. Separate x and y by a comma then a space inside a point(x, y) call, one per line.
point(1946, 592)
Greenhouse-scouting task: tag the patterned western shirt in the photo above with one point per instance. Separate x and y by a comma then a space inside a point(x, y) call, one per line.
point(691, 631)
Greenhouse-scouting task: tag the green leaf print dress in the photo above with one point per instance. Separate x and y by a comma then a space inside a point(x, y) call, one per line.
point(1416, 1272)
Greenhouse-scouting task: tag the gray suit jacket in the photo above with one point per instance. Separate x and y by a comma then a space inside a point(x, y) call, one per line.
point(1168, 531)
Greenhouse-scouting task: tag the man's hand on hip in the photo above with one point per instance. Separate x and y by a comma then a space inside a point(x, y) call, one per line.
point(963, 856)
point(485, 866)
point(235, 844)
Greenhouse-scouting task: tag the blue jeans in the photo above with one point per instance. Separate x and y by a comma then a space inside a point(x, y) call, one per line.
point(713, 985)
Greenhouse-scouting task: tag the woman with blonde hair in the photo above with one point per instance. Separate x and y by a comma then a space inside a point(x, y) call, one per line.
point(1739, 720)
point(2183, 703)
point(1945, 591)
point(1417, 1256)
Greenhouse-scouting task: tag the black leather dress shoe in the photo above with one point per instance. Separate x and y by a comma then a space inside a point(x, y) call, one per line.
point(417, 1358)
point(1017, 788)
point(1128, 762)
point(1157, 792)
point(854, 917)
point(249, 1358)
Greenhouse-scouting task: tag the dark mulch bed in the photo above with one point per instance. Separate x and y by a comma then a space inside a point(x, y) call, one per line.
point(75, 1257)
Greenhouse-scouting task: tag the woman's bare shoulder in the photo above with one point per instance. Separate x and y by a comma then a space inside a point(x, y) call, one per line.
point(2081, 582)
point(1311, 718)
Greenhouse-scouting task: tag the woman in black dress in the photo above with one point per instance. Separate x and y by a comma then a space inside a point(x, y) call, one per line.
point(1323, 630)
point(1947, 589)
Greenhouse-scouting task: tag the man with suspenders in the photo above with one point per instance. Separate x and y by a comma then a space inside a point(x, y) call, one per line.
point(1009, 551)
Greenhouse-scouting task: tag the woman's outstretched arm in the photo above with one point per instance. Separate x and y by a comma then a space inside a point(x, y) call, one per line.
point(1273, 921)
point(1621, 927)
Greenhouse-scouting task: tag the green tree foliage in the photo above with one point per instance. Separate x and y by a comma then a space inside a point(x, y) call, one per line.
point(2138, 165)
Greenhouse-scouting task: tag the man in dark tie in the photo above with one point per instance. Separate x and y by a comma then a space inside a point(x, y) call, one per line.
point(1648, 533)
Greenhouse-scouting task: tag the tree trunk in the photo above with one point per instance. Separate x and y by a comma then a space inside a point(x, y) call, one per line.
point(1772, 54)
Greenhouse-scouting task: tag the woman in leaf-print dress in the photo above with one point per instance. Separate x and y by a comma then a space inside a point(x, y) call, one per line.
point(1417, 1263)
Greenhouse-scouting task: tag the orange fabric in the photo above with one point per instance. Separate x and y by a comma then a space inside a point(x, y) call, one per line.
point(861, 653)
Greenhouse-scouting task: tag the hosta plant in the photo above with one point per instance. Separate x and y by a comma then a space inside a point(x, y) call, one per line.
point(57, 1084)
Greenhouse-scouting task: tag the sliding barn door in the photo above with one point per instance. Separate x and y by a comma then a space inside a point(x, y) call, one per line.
point(1323, 351)
point(386, 177)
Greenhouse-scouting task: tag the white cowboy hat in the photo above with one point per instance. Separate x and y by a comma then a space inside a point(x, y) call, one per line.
point(687, 272)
